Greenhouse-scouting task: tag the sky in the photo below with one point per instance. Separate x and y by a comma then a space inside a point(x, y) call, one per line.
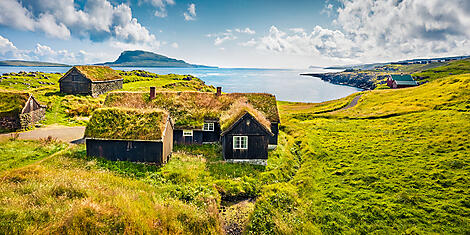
point(235, 33)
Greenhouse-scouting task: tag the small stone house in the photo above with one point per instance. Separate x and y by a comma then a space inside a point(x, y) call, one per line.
point(90, 80)
point(199, 117)
point(401, 81)
point(19, 110)
point(136, 135)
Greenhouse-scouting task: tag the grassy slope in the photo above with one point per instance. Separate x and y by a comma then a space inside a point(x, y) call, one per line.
point(382, 166)
point(449, 68)
point(343, 173)
point(72, 193)
point(14, 154)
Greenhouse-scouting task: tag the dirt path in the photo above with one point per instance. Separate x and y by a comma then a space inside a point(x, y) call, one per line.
point(352, 104)
point(63, 133)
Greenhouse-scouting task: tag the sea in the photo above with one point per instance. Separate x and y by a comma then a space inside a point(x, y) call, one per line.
point(286, 84)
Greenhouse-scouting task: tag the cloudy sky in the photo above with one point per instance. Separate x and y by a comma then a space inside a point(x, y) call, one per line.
point(235, 33)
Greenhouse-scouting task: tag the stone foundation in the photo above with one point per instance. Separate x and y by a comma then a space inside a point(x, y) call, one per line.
point(263, 162)
point(98, 88)
point(9, 123)
point(29, 119)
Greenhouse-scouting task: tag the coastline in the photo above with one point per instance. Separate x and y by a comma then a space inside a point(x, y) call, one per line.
point(345, 79)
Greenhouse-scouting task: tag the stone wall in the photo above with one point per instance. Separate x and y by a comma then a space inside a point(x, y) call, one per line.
point(9, 123)
point(29, 119)
point(263, 162)
point(98, 88)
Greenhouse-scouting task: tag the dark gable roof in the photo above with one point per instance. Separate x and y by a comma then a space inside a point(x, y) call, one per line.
point(95, 73)
point(12, 103)
point(190, 109)
point(127, 124)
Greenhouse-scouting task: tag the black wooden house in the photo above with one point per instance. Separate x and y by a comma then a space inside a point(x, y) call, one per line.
point(90, 80)
point(246, 139)
point(136, 135)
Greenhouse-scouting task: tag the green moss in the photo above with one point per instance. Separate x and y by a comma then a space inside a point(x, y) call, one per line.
point(11, 103)
point(98, 73)
point(237, 110)
point(190, 109)
point(130, 124)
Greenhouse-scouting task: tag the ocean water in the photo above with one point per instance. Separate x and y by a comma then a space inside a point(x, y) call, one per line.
point(286, 84)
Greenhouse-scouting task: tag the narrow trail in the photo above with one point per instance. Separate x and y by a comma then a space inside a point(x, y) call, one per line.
point(62, 133)
point(352, 104)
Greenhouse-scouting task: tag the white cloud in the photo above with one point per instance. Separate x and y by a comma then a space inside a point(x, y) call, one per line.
point(160, 6)
point(99, 20)
point(6, 45)
point(229, 35)
point(45, 53)
point(191, 13)
point(250, 43)
point(246, 30)
point(174, 45)
point(220, 39)
point(380, 30)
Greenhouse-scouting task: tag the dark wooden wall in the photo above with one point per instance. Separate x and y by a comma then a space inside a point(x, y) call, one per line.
point(178, 137)
point(258, 140)
point(275, 131)
point(122, 150)
point(212, 136)
point(75, 83)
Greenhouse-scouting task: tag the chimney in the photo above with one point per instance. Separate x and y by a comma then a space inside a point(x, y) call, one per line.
point(152, 92)
point(219, 91)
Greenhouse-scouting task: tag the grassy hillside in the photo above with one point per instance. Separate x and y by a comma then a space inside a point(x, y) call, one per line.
point(450, 68)
point(398, 162)
point(71, 193)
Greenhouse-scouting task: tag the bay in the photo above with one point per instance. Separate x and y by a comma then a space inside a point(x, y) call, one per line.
point(286, 84)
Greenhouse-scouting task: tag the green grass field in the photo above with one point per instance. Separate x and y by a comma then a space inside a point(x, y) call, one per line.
point(398, 162)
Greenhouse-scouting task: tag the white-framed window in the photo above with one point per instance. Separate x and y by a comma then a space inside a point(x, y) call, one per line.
point(187, 132)
point(240, 142)
point(208, 126)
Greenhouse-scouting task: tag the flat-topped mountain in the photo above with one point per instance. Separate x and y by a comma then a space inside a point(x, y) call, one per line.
point(148, 59)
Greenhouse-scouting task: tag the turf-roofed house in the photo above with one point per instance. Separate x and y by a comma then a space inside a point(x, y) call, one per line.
point(401, 81)
point(251, 120)
point(137, 135)
point(90, 80)
point(19, 110)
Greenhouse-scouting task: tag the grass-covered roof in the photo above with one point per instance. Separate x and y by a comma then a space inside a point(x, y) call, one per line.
point(98, 73)
point(190, 109)
point(11, 103)
point(127, 124)
point(237, 110)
